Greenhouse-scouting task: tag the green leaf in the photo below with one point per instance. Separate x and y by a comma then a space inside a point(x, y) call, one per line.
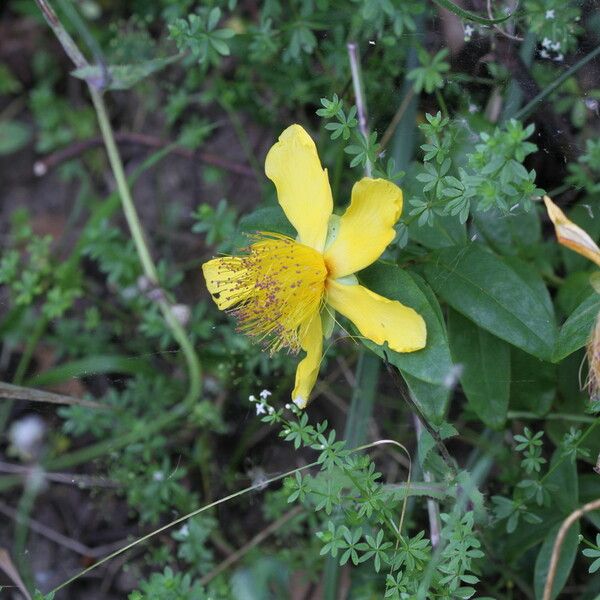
point(508, 232)
point(469, 16)
point(533, 383)
point(563, 482)
point(444, 232)
point(431, 398)
point(490, 292)
point(566, 560)
point(576, 330)
point(122, 77)
point(13, 136)
point(91, 365)
point(428, 371)
point(433, 364)
point(485, 368)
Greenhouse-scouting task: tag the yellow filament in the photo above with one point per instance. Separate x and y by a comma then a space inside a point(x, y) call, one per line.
point(272, 290)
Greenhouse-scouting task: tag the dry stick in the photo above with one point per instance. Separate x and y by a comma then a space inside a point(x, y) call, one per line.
point(560, 538)
point(391, 128)
point(17, 392)
point(77, 479)
point(42, 166)
point(415, 407)
point(7, 565)
point(359, 94)
point(257, 486)
point(59, 538)
point(255, 541)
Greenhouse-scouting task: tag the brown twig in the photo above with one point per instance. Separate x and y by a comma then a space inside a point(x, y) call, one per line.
point(17, 392)
point(59, 538)
point(80, 480)
point(42, 166)
point(257, 539)
point(560, 538)
point(396, 119)
point(359, 95)
point(499, 29)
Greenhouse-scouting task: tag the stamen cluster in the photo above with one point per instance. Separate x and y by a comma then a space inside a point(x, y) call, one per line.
point(273, 290)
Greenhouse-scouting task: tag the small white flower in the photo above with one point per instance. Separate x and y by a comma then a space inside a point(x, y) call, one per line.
point(550, 13)
point(26, 436)
point(184, 531)
point(591, 103)
point(547, 43)
point(556, 46)
point(559, 58)
point(544, 54)
point(299, 401)
point(158, 476)
point(452, 377)
point(265, 394)
point(261, 408)
point(270, 409)
point(288, 406)
point(469, 31)
point(252, 398)
point(473, 108)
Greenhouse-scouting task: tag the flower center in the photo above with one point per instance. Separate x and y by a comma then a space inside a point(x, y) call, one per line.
point(274, 289)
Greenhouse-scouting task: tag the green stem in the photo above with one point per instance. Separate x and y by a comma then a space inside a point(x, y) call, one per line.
point(528, 108)
point(441, 102)
point(22, 367)
point(559, 462)
point(137, 233)
point(516, 414)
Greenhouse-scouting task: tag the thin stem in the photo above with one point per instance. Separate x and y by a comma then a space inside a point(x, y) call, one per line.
point(66, 41)
point(359, 94)
point(255, 541)
point(206, 507)
point(126, 199)
point(135, 227)
point(557, 464)
point(516, 414)
point(558, 542)
point(391, 128)
point(528, 108)
point(22, 367)
point(441, 103)
point(433, 508)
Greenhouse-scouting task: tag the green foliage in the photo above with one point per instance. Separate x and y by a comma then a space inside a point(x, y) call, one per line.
point(593, 552)
point(169, 586)
point(508, 436)
point(430, 75)
point(199, 35)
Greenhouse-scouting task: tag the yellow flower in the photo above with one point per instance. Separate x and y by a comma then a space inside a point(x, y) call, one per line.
point(574, 237)
point(280, 290)
point(571, 235)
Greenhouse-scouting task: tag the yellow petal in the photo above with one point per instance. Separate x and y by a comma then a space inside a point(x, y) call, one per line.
point(571, 235)
point(308, 368)
point(366, 228)
point(293, 165)
point(377, 318)
point(220, 281)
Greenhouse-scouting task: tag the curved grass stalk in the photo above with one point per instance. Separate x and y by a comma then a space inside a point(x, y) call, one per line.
point(227, 498)
point(135, 227)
